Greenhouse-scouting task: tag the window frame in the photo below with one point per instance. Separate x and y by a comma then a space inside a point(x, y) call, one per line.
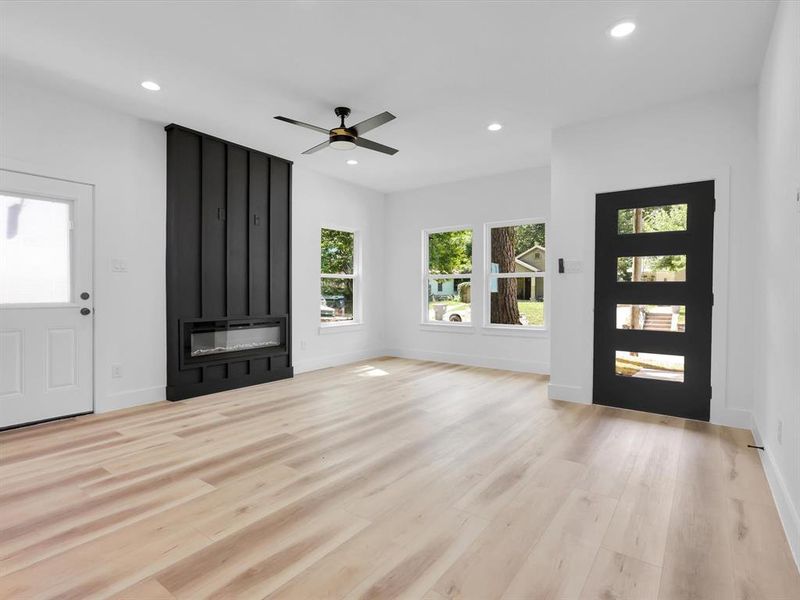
point(427, 276)
point(489, 277)
point(356, 277)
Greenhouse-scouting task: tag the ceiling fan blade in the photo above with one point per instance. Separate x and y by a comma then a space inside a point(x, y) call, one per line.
point(301, 124)
point(370, 145)
point(318, 147)
point(372, 123)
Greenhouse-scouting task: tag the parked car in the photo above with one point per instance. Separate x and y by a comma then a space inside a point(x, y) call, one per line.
point(335, 302)
point(458, 315)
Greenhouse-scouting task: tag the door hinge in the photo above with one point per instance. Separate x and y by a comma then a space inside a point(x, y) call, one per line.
point(714, 205)
point(221, 214)
point(712, 298)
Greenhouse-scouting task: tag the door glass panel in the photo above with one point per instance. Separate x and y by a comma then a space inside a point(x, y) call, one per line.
point(651, 268)
point(651, 317)
point(652, 219)
point(35, 261)
point(666, 367)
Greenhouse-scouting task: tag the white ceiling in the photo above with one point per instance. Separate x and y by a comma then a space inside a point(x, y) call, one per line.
point(446, 69)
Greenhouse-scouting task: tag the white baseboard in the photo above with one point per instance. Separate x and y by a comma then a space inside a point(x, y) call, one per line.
point(523, 366)
point(790, 517)
point(569, 393)
point(325, 362)
point(130, 398)
point(731, 417)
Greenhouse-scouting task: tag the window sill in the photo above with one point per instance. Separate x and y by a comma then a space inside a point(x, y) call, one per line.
point(515, 331)
point(341, 327)
point(447, 328)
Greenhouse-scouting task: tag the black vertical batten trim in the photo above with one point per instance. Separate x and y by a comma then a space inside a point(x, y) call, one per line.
point(268, 231)
point(219, 255)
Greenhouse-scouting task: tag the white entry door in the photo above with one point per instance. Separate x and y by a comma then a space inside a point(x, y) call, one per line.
point(46, 298)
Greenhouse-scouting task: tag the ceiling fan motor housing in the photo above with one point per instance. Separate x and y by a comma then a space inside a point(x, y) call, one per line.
point(342, 139)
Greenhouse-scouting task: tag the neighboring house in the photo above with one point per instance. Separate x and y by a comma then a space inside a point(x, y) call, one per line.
point(444, 289)
point(533, 260)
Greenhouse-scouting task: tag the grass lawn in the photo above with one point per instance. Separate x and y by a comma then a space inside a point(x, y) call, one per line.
point(534, 311)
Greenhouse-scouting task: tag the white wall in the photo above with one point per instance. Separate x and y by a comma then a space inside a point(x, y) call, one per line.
point(319, 201)
point(712, 137)
point(509, 196)
point(48, 133)
point(777, 377)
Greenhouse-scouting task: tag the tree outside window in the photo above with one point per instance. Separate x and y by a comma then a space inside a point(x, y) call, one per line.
point(516, 277)
point(338, 276)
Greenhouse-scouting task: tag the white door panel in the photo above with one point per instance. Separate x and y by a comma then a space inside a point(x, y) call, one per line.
point(45, 267)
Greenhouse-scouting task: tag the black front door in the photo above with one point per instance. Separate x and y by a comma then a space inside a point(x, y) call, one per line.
point(653, 299)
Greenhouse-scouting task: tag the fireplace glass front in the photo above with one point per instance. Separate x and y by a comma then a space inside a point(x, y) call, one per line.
point(234, 339)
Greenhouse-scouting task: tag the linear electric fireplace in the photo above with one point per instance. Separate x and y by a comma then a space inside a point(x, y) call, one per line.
point(228, 265)
point(222, 340)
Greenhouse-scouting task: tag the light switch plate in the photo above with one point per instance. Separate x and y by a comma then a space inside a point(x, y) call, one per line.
point(119, 265)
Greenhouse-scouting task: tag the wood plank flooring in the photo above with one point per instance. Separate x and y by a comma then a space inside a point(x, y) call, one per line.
point(387, 479)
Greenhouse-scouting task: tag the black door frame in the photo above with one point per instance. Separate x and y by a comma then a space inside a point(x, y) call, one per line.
point(692, 398)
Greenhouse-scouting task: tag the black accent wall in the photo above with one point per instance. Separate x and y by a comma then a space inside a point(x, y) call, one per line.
point(228, 255)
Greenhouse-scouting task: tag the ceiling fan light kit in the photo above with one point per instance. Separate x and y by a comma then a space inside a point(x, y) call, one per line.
point(347, 138)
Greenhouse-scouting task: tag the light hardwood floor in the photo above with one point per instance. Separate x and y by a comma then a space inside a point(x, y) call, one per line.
point(388, 479)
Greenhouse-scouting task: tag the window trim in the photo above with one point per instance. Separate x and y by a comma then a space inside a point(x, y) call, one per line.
point(357, 277)
point(425, 322)
point(488, 277)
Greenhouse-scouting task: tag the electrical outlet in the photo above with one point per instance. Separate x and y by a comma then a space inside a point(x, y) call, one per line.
point(119, 265)
point(116, 371)
point(780, 432)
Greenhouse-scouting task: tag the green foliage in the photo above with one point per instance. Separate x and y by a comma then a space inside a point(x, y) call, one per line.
point(670, 217)
point(528, 236)
point(336, 251)
point(450, 252)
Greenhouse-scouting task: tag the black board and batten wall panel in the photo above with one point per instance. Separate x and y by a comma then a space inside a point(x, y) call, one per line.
point(228, 256)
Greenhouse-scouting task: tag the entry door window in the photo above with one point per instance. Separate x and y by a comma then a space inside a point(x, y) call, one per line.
point(653, 268)
point(35, 250)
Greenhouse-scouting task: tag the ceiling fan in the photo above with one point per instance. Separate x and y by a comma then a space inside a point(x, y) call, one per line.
point(347, 138)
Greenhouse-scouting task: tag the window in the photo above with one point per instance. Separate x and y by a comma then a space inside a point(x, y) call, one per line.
point(35, 248)
point(639, 269)
point(516, 274)
point(339, 277)
point(652, 219)
point(448, 276)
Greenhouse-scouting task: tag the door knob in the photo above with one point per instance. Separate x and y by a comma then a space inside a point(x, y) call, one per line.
point(84, 295)
point(85, 311)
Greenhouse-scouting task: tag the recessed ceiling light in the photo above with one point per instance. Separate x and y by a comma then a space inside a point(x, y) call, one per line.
point(494, 127)
point(151, 85)
point(352, 161)
point(622, 29)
